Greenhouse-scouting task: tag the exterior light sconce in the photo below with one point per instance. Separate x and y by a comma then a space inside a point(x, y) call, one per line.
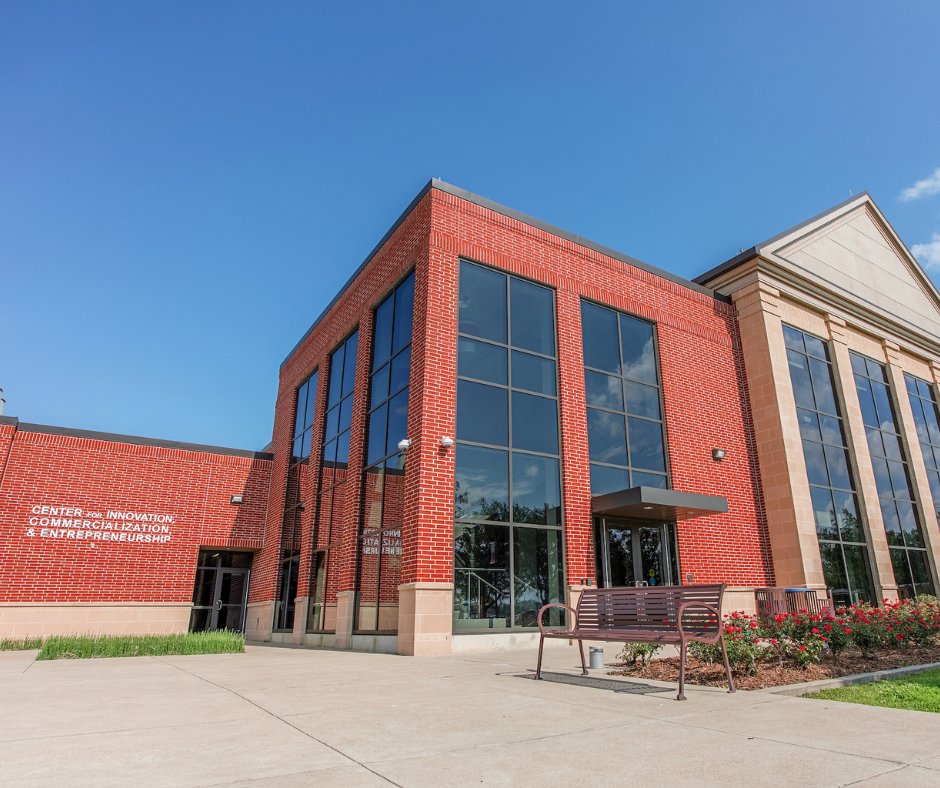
point(236, 499)
point(404, 444)
point(447, 442)
point(718, 454)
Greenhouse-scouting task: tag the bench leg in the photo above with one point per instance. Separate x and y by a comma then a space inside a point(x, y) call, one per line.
point(583, 663)
point(724, 656)
point(538, 667)
point(682, 651)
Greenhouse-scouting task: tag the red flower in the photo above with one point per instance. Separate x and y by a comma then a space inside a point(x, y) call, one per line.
point(773, 641)
point(823, 638)
point(753, 625)
point(848, 631)
point(828, 627)
point(815, 631)
point(802, 648)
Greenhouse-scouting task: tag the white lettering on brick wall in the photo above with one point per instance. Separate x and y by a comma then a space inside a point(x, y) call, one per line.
point(86, 525)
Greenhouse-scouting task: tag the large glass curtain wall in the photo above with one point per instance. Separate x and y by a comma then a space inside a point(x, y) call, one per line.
point(892, 479)
point(842, 542)
point(379, 568)
point(508, 537)
point(927, 421)
point(289, 559)
point(624, 414)
point(332, 490)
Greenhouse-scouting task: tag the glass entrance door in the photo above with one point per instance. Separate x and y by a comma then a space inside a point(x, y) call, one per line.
point(220, 595)
point(630, 552)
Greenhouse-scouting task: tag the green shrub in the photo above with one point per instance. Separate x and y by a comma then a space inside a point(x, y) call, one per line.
point(639, 652)
point(23, 644)
point(89, 647)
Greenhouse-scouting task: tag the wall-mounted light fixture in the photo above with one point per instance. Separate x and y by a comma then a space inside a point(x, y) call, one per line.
point(404, 444)
point(447, 442)
point(718, 454)
point(237, 499)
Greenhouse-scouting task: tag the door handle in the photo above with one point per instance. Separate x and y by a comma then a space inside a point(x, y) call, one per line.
point(218, 604)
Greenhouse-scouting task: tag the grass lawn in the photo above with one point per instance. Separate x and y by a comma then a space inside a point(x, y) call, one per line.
point(142, 645)
point(919, 692)
point(24, 644)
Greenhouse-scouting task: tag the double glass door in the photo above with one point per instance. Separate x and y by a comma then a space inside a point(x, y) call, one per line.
point(633, 552)
point(220, 595)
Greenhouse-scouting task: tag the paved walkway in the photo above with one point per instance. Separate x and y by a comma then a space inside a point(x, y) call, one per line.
point(282, 716)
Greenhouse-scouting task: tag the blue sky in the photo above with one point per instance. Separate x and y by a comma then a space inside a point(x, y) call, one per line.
point(184, 186)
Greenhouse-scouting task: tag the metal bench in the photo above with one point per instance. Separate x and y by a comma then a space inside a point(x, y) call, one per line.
point(655, 614)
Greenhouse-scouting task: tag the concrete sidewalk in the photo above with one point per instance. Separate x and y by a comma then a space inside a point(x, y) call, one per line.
point(283, 716)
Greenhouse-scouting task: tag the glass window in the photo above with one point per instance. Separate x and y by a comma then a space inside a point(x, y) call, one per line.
point(532, 325)
point(303, 419)
point(533, 373)
point(607, 437)
point(534, 423)
point(331, 493)
point(646, 444)
point(482, 413)
point(628, 433)
point(637, 349)
point(481, 360)
point(300, 445)
point(507, 392)
point(536, 489)
point(600, 340)
point(379, 554)
point(604, 391)
point(482, 311)
point(842, 543)
point(900, 515)
point(481, 483)
point(482, 582)
point(605, 479)
point(537, 574)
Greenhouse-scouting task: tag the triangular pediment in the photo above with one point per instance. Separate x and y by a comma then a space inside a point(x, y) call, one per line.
point(854, 252)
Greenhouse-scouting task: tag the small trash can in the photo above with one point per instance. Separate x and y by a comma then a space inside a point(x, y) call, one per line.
point(597, 657)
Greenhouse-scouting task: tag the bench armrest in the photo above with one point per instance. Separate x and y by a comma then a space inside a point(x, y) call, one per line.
point(686, 605)
point(556, 604)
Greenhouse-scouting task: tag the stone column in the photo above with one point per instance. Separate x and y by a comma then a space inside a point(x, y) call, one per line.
point(345, 615)
point(860, 460)
point(425, 613)
point(790, 518)
point(926, 506)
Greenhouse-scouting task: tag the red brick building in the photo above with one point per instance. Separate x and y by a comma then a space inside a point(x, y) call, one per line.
point(112, 533)
point(489, 400)
point(490, 415)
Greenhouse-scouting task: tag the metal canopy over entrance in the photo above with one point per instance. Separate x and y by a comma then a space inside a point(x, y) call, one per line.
point(653, 503)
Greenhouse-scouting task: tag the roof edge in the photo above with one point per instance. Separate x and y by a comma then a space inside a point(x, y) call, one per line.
point(607, 251)
point(755, 250)
point(503, 210)
point(398, 222)
point(134, 440)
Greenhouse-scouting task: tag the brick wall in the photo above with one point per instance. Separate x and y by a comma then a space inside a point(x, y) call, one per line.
point(405, 249)
point(192, 488)
point(703, 389)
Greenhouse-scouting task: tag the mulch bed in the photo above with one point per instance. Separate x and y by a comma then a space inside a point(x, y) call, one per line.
point(775, 674)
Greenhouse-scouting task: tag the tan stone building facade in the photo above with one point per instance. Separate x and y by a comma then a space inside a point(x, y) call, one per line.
point(840, 296)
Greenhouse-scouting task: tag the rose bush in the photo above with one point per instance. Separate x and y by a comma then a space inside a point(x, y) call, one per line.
point(809, 637)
